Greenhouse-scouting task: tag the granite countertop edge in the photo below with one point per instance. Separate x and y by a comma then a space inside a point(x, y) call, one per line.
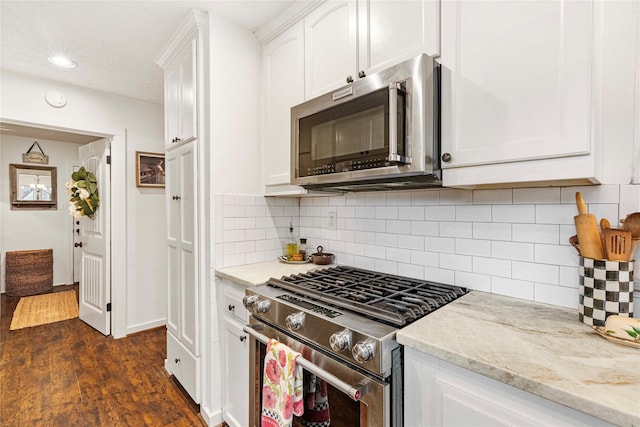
point(473, 354)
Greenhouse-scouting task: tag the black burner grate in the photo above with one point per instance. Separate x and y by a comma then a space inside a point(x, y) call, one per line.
point(396, 300)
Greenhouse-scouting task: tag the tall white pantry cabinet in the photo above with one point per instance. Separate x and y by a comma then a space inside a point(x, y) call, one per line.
point(181, 61)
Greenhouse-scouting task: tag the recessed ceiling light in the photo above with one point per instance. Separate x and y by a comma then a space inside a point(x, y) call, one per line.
point(61, 61)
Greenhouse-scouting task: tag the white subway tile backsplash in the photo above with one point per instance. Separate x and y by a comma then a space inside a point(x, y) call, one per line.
point(411, 213)
point(493, 197)
point(473, 213)
point(412, 242)
point(456, 229)
point(400, 198)
point(512, 288)
point(479, 282)
point(398, 227)
point(439, 213)
point(555, 254)
point(425, 258)
point(507, 241)
point(387, 212)
point(473, 247)
point(387, 239)
point(555, 214)
point(569, 277)
point(423, 228)
point(399, 255)
point(492, 231)
point(440, 244)
point(514, 213)
point(536, 233)
point(549, 294)
point(536, 196)
point(385, 266)
point(492, 266)
point(512, 250)
point(424, 198)
point(531, 271)
point(456, 262)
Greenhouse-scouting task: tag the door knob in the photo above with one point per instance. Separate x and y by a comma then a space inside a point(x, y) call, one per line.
point(243, 338)
point(78, 230)
point(446, 157)
point(78, 245)
point(349, 79)
point(362, 74)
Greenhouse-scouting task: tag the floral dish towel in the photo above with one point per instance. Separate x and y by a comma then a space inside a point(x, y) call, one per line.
point(282, 389)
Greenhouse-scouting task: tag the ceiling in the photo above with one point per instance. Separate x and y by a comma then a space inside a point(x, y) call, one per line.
point(114, 43)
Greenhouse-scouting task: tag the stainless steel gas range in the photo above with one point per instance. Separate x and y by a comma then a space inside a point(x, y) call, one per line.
point(343, 321)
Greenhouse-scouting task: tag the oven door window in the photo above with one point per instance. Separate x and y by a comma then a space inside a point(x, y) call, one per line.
point(350, 136)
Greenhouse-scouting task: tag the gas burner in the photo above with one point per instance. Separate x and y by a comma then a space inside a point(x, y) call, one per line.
point(394, 300)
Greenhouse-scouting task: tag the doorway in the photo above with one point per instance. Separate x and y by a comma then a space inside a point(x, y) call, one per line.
point(118, 206)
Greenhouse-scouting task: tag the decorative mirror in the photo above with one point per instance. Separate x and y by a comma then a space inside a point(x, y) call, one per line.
point(33, 187)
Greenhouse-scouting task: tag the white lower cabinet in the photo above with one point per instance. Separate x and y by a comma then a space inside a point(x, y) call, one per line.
point(437, 393)
point(235, 355)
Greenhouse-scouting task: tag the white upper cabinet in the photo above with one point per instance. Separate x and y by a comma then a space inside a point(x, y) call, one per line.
point(330, 47)
point(180, 96)
point(346, 40)
point(520, 88)
point(283, 62)
point(392, 31)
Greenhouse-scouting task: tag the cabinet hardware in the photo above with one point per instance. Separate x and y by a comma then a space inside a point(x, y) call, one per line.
point(177, 360)
point(78, 230)
point(362, 74)
point(231, 307)
point(243, 338)
point(78, 245)
point(349, 79)
point(176, 197)
point(446, 157)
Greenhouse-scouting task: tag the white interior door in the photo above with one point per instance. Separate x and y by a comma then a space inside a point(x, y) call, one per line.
point(95, 276)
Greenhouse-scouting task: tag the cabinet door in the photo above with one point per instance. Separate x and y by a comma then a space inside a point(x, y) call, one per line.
point(235, 374)
point(283, 60)
point(393, 31)
point(515, 80)
point(172, 190)
point(181, 97)
point(182, 307)
point(330, 47)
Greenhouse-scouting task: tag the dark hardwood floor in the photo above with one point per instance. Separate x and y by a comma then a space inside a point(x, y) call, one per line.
point(68, 374)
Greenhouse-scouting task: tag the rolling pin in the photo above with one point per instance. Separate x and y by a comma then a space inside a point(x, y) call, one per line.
point(587, 231)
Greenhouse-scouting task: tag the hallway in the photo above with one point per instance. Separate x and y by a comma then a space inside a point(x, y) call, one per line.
point(67, 374)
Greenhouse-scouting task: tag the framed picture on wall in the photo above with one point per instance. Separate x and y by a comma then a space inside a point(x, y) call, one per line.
point(150, 169)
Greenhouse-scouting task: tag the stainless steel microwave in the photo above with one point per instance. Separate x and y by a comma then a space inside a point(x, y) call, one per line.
point(378, 133)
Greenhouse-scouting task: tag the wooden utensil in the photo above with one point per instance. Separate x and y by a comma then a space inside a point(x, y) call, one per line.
point(573, 240)
point(618, 244)
point(632, 223)
point(587, 230)
point(604, 225)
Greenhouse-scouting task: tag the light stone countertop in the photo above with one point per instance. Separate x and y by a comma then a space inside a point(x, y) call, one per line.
point(539, 348)
point(259, 273)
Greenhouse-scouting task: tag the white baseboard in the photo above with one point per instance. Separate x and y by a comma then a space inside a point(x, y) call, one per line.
point(212, 419)
point(144, 326)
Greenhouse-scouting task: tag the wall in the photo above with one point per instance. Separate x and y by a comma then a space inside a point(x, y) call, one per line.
point(510, 241)
point(38, 229)
point(139, 281)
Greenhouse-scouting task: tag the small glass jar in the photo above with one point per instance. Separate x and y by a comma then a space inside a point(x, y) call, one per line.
point(302, 247)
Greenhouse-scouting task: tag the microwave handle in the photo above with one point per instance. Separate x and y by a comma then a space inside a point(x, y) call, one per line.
point(394, 157)
point(345, 388)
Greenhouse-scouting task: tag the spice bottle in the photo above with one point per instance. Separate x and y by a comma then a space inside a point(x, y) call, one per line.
point(302, 247)
point(292, 246)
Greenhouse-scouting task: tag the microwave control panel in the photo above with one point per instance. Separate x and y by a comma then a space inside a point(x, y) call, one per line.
point(349, 165)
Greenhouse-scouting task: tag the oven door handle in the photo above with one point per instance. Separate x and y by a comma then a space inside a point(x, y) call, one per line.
point(345, 388)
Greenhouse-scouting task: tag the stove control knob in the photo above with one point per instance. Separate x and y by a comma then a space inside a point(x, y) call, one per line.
point(249, 300)
point(363, 351)
point(295, 321)
point(262, 306)
point(340, 340)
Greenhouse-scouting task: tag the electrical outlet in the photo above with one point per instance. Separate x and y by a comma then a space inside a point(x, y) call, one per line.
point(333, 221)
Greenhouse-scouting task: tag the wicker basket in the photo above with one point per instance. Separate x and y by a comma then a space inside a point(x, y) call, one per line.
point(29, 272)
